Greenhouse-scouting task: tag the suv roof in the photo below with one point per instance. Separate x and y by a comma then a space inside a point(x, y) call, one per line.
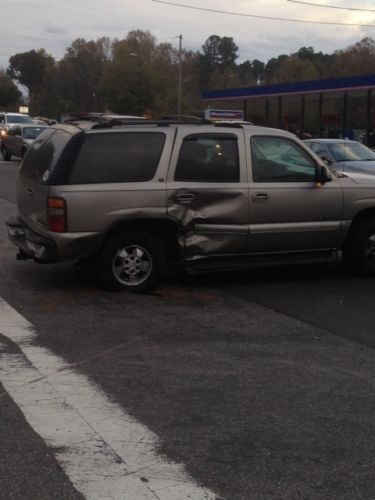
point(116, 123)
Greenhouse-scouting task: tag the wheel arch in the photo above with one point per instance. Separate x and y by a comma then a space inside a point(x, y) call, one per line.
point(166, 230)
point(361, 218)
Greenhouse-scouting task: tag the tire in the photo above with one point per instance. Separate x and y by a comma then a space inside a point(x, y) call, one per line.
point(6, 155)
point(134, 262)
point(359, 253)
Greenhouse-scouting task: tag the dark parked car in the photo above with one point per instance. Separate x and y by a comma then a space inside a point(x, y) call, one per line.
point(344, 155)
point(19, 138)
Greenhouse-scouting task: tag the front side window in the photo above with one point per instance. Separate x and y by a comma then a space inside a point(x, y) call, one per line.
point(118, 157)
point(278, 159)
point(208, 158)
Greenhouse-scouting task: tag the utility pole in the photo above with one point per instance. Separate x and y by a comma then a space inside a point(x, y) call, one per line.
point(179, 89)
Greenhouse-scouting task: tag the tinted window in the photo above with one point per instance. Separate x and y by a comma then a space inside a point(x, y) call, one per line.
point(118, 157)
point(32, 132)
point(42, 157)
point(208, 158)
point(277, 159)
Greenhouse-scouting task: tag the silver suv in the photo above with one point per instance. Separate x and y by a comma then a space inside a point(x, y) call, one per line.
point(132, 199)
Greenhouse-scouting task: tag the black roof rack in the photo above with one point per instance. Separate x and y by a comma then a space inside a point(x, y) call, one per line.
point(157, 123)
point(100, 123)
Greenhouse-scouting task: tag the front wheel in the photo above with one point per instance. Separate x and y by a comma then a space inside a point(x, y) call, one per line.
point(359, 253)
point(134, 262)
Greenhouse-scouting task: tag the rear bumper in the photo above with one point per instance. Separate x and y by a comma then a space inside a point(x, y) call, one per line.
point(31, 245)
point(53, 247)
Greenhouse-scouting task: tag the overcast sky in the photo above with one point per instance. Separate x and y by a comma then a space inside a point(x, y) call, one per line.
point(54, 24)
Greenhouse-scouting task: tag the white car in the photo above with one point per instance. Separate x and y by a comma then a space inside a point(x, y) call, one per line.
point(344, 155)
point(7, 120)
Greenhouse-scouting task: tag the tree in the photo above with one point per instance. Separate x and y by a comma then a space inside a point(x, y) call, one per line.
point(9, 93)
point(305, 53)
point(357, 59)
point(293, 69)
point(142, 76)
point(272, 66)
point(30, 70)
point(227, 52)
point(219, 55)
point(80, 72)
point(127, 84)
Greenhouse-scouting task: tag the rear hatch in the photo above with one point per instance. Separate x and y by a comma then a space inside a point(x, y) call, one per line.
point(38, 172)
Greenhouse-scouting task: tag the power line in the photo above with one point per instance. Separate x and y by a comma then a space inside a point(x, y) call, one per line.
point(231, 13)
point(331, 6)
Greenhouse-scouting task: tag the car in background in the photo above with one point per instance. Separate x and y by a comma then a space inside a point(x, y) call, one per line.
point(43, 120)
point(344, 155)
point(19, 138)
point(7, 120)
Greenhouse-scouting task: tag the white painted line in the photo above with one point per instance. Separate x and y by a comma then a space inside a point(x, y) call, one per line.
point(105, 452)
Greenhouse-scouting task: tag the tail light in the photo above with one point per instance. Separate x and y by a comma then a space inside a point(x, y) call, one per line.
point(56, 212)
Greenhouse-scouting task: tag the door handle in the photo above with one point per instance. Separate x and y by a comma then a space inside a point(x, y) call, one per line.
point(260, 197)
point(30, 191)
point(185, 198)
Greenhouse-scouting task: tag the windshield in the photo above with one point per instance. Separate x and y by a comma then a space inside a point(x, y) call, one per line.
point(352, 151)
point(32, 132)
point(19, 119)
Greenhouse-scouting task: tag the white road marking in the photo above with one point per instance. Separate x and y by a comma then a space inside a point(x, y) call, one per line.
point(105, 452)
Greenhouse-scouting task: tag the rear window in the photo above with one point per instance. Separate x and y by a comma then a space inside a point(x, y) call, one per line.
point(118, 157)
point(19, 119)
point(41, 159)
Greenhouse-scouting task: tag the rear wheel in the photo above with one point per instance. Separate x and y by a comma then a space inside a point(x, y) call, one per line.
point(359, 253)
point(134, 262)
point(5, 153)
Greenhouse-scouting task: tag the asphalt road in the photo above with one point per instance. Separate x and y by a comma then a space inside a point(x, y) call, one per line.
point(261, 383)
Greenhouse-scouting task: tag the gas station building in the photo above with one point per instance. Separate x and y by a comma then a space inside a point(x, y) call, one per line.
point(338, 107)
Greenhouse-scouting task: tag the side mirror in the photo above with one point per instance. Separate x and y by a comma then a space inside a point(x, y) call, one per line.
point(323, 174)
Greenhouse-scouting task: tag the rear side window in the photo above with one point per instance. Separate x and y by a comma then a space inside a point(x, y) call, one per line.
point(118, 157)
point(40, 161)
point(208, 158)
